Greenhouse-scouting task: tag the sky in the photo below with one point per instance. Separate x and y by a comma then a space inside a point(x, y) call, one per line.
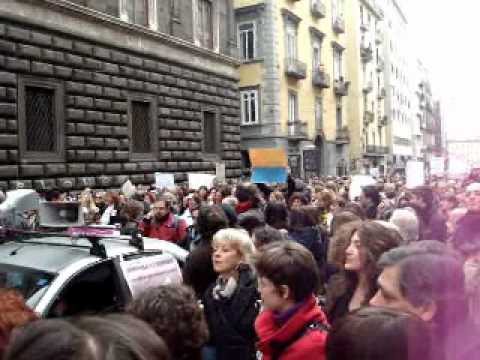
point(446, 35)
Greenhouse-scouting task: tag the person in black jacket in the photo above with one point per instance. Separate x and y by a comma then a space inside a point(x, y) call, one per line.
point(230, 303)
point(198, 270)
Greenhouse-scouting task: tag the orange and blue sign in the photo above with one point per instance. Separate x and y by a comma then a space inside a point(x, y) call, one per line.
point(269, 165)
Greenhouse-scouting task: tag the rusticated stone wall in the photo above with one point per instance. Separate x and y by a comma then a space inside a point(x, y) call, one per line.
point(97, 80)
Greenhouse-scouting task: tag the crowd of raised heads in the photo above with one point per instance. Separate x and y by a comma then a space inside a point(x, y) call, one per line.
point(284, 272)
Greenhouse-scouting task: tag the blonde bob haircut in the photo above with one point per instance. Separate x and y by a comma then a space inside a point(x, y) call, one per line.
point(237, 239)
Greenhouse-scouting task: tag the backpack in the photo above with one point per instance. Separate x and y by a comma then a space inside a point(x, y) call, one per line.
point(280, 347)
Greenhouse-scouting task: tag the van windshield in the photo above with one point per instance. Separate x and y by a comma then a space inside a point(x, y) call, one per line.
point(25, 280)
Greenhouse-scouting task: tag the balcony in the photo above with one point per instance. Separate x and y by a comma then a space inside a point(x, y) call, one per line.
point(379, 37)
point(319, 10)
point(376, 150)
point(368, 117)
point(382, 94)
point(364, 26)
point(339, 25)
point(368, 88)
point(295, 68)
point(383, 120)
point(320, 78)
point(297, 130)
point(366, 53)
point(341, 87)
point(343, 136)
point(380, 65)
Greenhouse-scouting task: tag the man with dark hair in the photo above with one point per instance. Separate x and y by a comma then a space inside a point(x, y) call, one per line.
point(292, 325)
point(433, 226)
point(369, 201)
point(427, 281)
point(163, 224)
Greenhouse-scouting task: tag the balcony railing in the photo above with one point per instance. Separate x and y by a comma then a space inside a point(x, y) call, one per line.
point(341, 87)
point(320, 78)
point(382, 94)
point(343, 135)
point(379, 37)
point(368, 88)
point(339, 25)
point(319, 10)
point(297, 129)
point(380, 65)
point(364, 26)
point(368, 117)
point(383, 120)
point(295, 68)
point(366, 53)
point(376, 149)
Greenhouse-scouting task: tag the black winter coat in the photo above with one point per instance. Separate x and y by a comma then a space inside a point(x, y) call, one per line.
point(311, 238)
point(198, 270)
point(231, 321)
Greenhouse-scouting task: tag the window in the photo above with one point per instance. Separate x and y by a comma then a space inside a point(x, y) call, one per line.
point(291, 40)
point(339, 114)
point(337, 9)
point(211, 133)
point(319, 113)
point(246, 40)
point(142, 126)
point(337, 64)
point(110, 7)
point(204, 25)
point(137, 11)
point(317, 59)
point(292, 107)
point(249, 110)
point(40, 115)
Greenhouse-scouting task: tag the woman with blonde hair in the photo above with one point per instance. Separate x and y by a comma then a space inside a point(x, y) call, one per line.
point(231, 302)
point(89, 208)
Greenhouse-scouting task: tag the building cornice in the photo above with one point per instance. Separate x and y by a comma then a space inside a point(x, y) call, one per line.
point(84, 22)
point(317, 33)
point(374, 8)
point(288, 15)
point(257, 8)
point(337, 46)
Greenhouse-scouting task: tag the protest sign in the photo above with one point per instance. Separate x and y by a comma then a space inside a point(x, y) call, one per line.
point(358, 182)
point(195, 181)
point(164, 181)
point(437, 166)
point(150, 271)
point(415, 174)
point(128, 189)
point(269, 166)
point(220, 172)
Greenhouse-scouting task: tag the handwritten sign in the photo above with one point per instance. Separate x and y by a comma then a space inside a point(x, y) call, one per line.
point(415, 174)
point(164, 181)
point(195, 180)
point(149, 272)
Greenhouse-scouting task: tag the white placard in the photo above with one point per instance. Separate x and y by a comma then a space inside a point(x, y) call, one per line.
point(374, 172)
point(150, 271)
point(195, 181)
point(437, 166)
point(164, 181)
point(358, 182)
point(415, 174)
point(128, 189)
point(220, 172)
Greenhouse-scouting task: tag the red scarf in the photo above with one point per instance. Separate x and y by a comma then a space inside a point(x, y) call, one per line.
point(243, 207)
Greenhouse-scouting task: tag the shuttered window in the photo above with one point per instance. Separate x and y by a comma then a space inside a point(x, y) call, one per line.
point(204, 24)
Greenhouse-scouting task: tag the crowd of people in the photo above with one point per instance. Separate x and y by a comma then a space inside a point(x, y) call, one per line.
point(284, 272)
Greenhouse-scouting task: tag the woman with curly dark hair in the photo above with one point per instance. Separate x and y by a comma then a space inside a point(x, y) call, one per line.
point(355, 284)
point(175, 315)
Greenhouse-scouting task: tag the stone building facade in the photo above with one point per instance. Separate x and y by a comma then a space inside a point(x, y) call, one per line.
point(93, 93)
